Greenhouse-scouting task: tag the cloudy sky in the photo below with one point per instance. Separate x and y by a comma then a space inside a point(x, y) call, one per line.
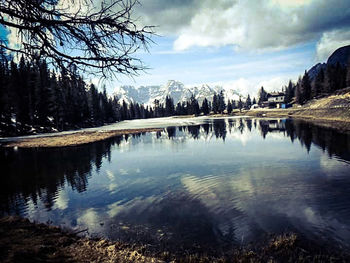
point(240, 43)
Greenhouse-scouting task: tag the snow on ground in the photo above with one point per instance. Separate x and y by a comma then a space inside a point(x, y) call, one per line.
point(129, 124)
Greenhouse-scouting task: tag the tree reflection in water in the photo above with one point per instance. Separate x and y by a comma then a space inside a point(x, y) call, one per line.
point(38, 175)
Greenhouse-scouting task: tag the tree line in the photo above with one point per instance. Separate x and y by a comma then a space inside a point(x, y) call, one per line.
point(36, 99)
point(328, 80)
point(192, 106)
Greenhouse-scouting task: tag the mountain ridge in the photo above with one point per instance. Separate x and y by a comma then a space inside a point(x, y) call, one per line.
point(173, 88)
point(340, 55)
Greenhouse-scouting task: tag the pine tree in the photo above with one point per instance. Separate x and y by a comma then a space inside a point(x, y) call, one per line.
point(298, 93)
point(234, 104)
point(193, 106)
point(289, 92)
point(125, 111)
point(248, 102)
point(317, 85)
point(262, 95)
point(305, 87)
point(205, 107)
point(240, 104)
point(215, 104)
point(221, 102)
point(347, 78)
point(229, 107)
point(169, 106)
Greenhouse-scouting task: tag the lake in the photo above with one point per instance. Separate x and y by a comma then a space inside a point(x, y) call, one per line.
point(224, 181)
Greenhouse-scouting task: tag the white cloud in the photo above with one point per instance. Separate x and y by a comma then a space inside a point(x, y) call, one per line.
point(290, 3)
point(257, 25)
point(123, 171)
point(330, 41)
point(89, 218)
point(110, 175)
point(62, 200)
point(251, 86)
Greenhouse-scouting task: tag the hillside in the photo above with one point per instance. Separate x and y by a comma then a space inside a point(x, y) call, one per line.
point(332, 111)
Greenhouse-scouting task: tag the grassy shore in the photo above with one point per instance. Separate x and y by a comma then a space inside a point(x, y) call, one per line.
point(332, 111)
point(23, 241)
point(74, 139)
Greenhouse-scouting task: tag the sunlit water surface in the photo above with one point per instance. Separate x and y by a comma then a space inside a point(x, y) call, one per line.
point(226, 181)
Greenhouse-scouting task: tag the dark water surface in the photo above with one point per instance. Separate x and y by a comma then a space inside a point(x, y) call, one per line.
point(226, 181)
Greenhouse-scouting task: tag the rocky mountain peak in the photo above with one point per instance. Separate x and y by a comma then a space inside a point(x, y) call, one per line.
point(341, 56)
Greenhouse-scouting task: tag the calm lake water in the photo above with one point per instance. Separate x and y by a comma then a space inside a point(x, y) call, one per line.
point(226, 181)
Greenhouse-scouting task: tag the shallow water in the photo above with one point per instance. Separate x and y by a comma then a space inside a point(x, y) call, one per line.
point(225, 181)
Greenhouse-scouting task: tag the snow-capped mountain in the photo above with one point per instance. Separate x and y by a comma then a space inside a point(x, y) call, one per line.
point(175, 89)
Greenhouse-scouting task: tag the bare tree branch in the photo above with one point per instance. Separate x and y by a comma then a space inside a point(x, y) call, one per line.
point(98, 39)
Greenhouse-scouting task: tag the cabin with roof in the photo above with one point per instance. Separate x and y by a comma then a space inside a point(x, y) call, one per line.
point(275, 99)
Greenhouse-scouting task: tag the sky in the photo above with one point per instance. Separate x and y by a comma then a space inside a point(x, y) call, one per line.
point(239, 43)
point(244, 44)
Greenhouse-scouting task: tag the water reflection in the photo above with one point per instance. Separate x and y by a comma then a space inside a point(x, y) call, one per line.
point(225, 181)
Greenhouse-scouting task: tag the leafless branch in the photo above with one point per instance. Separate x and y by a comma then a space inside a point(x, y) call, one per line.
point(98, 39)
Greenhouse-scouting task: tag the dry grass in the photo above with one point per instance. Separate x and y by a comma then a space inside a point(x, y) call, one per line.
point(73, 139)
point(332, 111)
point(23, 241)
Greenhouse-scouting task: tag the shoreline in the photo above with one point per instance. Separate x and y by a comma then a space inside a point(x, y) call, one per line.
point(73, 139)
point(328, 118)
point(23, 240)
point(337, 118)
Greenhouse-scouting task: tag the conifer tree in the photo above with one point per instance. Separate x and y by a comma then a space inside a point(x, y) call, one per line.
point(299, 98)
point(248, 102)
point(169, 106)
point(205, 107)
point(215, 104)
point(317, 85)
point(229, 107)
point(221, 102)
point(262, 95)
point(305, 87)
point(289, 92)
point(240, 104)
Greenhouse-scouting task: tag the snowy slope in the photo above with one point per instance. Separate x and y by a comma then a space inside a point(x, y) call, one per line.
point(175, 89)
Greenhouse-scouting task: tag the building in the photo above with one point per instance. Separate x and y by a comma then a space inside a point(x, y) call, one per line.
point(275, 99)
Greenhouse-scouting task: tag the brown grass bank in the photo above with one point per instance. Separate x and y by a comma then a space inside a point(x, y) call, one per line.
point(74, 139)
point(23, 241)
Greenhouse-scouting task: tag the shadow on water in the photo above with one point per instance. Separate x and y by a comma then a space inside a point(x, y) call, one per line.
point(216, 206)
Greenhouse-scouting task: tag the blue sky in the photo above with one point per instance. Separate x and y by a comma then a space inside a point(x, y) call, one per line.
point(242, 44)
point(222, 65)
point(3, 33)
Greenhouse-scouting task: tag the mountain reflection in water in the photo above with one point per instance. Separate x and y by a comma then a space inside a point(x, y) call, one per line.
point(226, 181)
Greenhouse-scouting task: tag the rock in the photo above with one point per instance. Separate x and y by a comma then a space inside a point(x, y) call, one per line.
point(341, 56)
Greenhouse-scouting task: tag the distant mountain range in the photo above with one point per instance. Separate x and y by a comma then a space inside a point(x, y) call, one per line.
point(175, 89)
